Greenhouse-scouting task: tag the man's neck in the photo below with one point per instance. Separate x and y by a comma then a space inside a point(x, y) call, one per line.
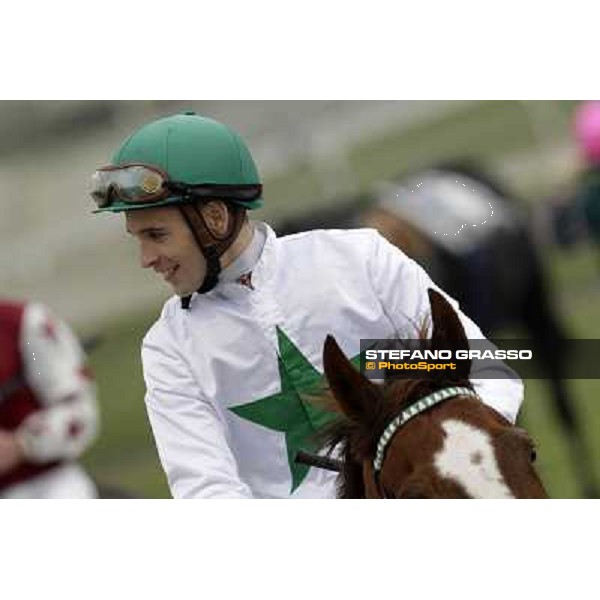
point(241, 243)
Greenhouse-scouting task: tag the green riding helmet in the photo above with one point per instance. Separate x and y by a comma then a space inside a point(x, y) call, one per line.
point(193, 151)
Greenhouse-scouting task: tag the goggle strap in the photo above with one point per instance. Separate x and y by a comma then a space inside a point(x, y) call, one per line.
point(213, 268)
point(206, 243)
point(246, 193)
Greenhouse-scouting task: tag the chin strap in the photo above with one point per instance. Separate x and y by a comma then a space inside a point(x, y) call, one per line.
point(211, 245)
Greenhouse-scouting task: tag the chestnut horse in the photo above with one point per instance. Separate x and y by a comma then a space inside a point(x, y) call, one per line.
point(425, 438)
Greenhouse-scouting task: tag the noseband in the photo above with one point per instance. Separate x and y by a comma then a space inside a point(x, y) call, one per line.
point(413, 410)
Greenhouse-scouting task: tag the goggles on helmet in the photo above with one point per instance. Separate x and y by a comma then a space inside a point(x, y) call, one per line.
point(138, 184)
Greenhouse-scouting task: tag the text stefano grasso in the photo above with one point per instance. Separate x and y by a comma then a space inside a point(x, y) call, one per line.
point(497, 354)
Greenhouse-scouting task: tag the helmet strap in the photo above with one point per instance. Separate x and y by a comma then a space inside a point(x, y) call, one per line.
point(212, 246)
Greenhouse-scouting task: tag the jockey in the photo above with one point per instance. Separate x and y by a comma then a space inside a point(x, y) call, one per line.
point(48, 410)
point(234, 358)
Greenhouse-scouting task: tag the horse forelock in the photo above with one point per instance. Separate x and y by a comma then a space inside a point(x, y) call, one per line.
point(401, 393)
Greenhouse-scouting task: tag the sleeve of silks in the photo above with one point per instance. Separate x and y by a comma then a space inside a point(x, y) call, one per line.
point(401, 284)
point(54, 368)
point(190, 432)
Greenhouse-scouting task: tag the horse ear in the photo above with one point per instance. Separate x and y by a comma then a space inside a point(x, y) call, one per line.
point(357, 397)
point(448, 332)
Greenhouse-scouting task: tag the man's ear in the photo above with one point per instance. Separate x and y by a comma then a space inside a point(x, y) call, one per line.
point(216, 216)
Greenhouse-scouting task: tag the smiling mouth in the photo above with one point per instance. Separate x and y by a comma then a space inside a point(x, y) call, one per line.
point(168, 275)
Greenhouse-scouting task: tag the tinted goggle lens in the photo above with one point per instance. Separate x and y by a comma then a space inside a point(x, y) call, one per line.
point(134, 184)
point(138, 184)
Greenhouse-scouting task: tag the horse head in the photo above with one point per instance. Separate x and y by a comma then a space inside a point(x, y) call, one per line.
point(425, 438)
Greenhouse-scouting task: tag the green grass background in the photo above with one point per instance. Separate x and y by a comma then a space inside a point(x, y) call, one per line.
point(125, 455)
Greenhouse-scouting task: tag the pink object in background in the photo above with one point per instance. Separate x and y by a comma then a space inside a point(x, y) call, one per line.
point(587, 130)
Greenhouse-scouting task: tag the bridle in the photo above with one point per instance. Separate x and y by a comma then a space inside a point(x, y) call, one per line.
point(412, 411)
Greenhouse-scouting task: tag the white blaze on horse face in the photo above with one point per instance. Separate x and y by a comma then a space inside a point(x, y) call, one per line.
point(468, 458)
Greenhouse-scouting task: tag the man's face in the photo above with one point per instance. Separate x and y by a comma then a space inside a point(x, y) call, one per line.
point(168, 246)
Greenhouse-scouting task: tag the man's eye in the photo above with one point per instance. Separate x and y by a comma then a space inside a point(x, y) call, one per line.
point(157, 236)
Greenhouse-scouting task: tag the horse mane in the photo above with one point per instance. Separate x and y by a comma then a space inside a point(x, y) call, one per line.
point(350, 483)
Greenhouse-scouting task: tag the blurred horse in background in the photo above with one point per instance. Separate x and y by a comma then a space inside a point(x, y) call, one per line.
point(472, 238)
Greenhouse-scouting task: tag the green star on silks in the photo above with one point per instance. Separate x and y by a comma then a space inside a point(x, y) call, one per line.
point(290, 411)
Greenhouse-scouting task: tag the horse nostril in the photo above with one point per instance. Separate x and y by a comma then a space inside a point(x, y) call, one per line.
point(533, 455)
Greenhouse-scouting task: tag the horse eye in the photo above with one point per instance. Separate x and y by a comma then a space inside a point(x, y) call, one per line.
point(533, 455)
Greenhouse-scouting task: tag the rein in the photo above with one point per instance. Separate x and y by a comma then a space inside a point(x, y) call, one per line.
point(316, 460)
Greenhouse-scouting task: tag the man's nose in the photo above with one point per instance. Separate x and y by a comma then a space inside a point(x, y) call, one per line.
point(148, 256)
